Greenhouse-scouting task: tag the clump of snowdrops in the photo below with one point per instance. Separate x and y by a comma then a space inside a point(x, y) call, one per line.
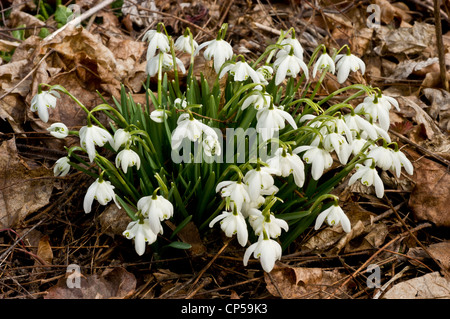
point(252, 155)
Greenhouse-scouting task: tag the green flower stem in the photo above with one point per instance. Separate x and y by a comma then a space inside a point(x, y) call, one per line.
point(319, 83)
point(361, 87)
point(237, 95)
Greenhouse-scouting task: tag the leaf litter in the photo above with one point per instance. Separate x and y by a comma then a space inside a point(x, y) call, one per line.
point(402, 59)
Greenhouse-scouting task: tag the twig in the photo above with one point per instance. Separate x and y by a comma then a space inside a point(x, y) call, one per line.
point(78, 19)
point(383, 288)
point(440, 44)
point(400, 236)
point(28, 75)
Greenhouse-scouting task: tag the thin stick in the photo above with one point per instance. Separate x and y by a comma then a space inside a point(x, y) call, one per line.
point(78, 19)
point(440, 45)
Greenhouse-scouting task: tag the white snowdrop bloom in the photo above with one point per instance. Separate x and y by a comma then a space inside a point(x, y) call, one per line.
point(382, 133)
point(91, 136)
point(288, 164)
point(368, 176)
point(288, 64)
point(240, 71)
point(400, 160)
point(346, 63)
point(259, 180)
point(388, 101)
point(211, 146)
point(247, 206)
point(166, 64)
point(271, 119)
point(359, 124)
point(336, 142)
point(179, 103)
point(375, 110)
point(142, 234)
point(265, 73)
point(121, 137)
point(41, 102)
point(183, 43)
point(127, 158)
point(100, 190)
point(158, 116)
point(357, 145)
point(334, 215)
point(157, 40)
point(236, 191)
point(220, 50)
point(267, 250)
point(270, 224)
point(232, 223)
point(58, 130)
point(291, 44)
point(318, 157)
point(62, 166)
point(258, 100)
point(382, 156)
point(324, 61)
point(156, 208)
point(191, 128)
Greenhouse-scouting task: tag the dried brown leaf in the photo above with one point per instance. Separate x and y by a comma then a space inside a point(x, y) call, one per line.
point(116, 283)
point(302, 283)
point(429, 286)
point(23, 190)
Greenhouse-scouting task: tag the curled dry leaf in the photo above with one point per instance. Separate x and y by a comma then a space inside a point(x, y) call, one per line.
point(116, 283)
point(429, 286)
point(303, 283)
point(439, 251)
point(429, 198)
point(23, 190)
point(114, 221)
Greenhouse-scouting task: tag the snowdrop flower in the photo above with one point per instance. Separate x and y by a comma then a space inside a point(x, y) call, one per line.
point(334, 215)
point(346, 63)
point(100, 190)
point(248, 205)
point(358, 124)
point(338, 143)
point(291, 44)
point(324, 61)
point(180, 103)
point(258, 180)
point(288, 64)
point(152, 66)
point(184, 44)
point(388, 101)
point(271, 119)
point(157, 40)
point(268, 223)
point(218, 49)
point(259, 100)
point(375, 110)
point(382, 156)
point(288, 164)
point(42, 101)
point(211, 146)
point(233, 223)
point(264, 73)
point(90, 136)
point(357, 145)
point(62, 166)
point(400, 160)
point(156, 208)
point(236, 191)
point(266, 250)
point(58, 130)
point(121, 137)
point(240, 71)
point(127, 158)
point(318, 157)
point(142, 233)
point(368, 176)
point(190, 128)
point(158, 116)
